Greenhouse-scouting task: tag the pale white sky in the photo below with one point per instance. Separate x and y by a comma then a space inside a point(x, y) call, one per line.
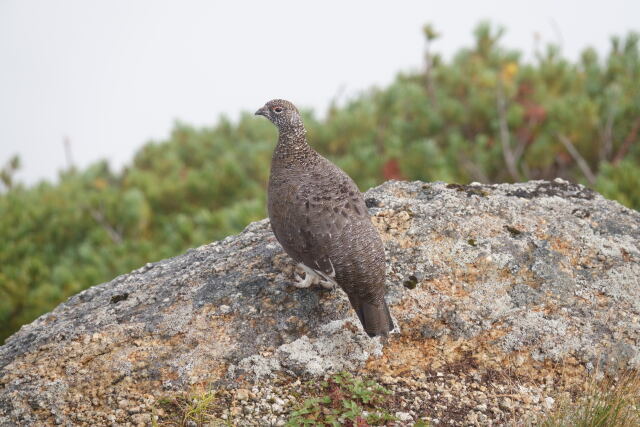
point(111, 75)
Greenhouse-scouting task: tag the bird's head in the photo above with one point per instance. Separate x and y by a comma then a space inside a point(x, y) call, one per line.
point(283, 114)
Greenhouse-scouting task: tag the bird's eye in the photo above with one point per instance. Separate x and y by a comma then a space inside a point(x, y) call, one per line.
point(278, 109)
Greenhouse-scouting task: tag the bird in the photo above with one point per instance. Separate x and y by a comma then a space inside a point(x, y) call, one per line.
point(320, 218)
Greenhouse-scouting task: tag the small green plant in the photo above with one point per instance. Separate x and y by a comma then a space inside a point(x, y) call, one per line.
point(344, 400)
point(607, 403)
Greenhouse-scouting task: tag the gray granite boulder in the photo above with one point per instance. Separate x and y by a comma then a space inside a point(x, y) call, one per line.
point(511, 279)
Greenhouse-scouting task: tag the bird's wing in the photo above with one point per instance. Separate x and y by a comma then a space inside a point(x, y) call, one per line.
point(324, 207)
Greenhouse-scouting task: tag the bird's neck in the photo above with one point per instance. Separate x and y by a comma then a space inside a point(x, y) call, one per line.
point(292, 146)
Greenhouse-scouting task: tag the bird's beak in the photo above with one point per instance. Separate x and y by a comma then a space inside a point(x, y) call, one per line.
point(262, 112)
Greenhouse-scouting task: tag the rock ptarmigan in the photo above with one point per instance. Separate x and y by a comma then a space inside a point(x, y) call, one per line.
point(320, 218)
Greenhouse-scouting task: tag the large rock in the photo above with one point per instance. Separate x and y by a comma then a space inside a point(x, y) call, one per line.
point(497, 290)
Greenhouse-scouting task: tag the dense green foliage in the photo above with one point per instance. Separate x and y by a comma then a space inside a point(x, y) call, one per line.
point(486, 115)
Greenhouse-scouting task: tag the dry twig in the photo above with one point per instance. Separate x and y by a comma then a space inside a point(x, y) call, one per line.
point(582, 163)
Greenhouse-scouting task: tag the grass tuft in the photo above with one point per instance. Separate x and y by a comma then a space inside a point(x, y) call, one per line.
point(187, 410)
point(611, 402)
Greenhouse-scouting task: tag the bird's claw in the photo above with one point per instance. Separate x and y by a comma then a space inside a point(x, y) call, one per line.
point(303, 283)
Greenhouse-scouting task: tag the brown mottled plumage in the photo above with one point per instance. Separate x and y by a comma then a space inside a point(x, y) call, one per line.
point(320, 218)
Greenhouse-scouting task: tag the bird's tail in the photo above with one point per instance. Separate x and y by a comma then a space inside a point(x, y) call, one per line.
point(375, 318)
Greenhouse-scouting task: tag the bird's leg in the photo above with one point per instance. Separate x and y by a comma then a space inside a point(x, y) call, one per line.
point(327, 282)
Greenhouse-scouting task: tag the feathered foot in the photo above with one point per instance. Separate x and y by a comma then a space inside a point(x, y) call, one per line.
point(311, 277)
